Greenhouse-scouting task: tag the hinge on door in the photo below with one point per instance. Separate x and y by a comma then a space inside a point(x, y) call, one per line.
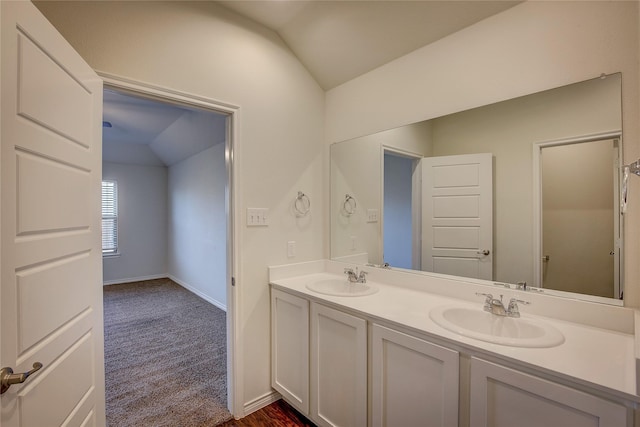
point(233, 281)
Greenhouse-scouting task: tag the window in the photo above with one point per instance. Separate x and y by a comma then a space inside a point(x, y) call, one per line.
point(109, 218)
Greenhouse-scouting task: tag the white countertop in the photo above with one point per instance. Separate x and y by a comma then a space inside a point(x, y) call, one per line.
point(597, 357)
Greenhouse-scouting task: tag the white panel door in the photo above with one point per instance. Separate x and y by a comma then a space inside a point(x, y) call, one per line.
point(51, 267)
point(457, 215)
point(290, 348)
point(338, 368)
point(503, 397)
point(413, 382)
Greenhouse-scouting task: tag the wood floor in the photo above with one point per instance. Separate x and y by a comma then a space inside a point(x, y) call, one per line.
point(278, 414)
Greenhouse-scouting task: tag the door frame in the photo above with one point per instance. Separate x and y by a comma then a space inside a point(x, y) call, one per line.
point(416, 197)
point(232, 189)
point(537, 204)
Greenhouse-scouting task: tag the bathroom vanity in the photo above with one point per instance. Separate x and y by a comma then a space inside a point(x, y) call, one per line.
point(406, 349)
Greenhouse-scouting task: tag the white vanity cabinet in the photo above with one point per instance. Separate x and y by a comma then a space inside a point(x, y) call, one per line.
point(338, 368)
point(290, 348)
point(346, 370)
point(503, 397)
point(413, 382)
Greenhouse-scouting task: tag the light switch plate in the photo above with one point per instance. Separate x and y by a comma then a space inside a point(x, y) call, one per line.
point(372, 215)
point(257, 217)
point(291, 249)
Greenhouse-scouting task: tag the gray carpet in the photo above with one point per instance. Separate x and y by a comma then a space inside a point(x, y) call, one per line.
point(165, 357)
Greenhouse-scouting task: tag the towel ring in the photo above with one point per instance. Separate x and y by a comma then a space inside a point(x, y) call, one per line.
point(302, 204)
point(349, 205)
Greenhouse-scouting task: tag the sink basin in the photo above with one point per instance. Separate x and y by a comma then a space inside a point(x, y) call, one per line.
point(509, 331)
point(341, 288)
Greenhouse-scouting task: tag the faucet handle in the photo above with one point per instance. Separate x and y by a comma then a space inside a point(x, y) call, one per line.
point(487, 301)
point(348, 270)
point(512, 309)
point(482, 294)
point(362, 276)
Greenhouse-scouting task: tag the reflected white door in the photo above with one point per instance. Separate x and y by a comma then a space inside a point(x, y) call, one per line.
point(457, 212)
point(51, 267)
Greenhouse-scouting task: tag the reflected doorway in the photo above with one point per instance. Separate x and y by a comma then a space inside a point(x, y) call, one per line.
point(580, 217)
point(401, 210)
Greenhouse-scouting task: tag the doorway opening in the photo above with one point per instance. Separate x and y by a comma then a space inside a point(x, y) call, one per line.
point(171, 156)
point(577, 199)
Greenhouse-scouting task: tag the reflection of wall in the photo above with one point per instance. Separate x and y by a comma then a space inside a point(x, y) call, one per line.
point(356, 170)
point(577, 185)
point(142, 222)
point(508, 130)
point(197, 256)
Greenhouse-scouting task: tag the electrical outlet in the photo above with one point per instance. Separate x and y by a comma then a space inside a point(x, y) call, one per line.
point(257, 217)
point(354, 240)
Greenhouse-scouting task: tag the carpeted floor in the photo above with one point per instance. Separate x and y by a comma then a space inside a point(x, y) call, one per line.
point(165, 357)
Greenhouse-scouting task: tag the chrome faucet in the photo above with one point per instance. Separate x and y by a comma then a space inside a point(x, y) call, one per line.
point(354, 277)
point(496, 306)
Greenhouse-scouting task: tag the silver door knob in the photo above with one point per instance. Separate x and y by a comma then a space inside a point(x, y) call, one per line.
point(8, 378)
point(484, 252)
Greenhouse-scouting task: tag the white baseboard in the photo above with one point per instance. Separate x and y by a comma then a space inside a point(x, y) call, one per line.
point(135, 279)
point(261, 402)
point(205, 297)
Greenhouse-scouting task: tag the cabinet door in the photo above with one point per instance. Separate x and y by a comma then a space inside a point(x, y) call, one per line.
point(290, 348)
point(414, 382)
point(504, 397)
point(338, 368)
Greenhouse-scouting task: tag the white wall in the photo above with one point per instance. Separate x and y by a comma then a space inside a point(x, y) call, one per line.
point(531, 47)
point(204, 49)
point(197, 224)
point(142, 223)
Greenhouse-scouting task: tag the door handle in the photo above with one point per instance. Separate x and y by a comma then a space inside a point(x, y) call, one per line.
point(8, 378)
point(484, 252)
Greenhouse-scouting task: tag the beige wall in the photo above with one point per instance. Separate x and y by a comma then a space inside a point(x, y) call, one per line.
point(531, 47)
point(202, 48)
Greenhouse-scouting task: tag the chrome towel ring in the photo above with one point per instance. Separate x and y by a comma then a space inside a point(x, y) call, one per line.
point(302, 204)
point(349, 205)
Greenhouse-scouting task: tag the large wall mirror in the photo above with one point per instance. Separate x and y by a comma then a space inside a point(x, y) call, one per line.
point(525, 190)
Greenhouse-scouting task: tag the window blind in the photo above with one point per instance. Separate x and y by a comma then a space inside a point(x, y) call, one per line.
point(109, 217)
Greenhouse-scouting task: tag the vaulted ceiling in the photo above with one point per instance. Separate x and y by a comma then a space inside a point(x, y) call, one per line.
point(340, 40)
